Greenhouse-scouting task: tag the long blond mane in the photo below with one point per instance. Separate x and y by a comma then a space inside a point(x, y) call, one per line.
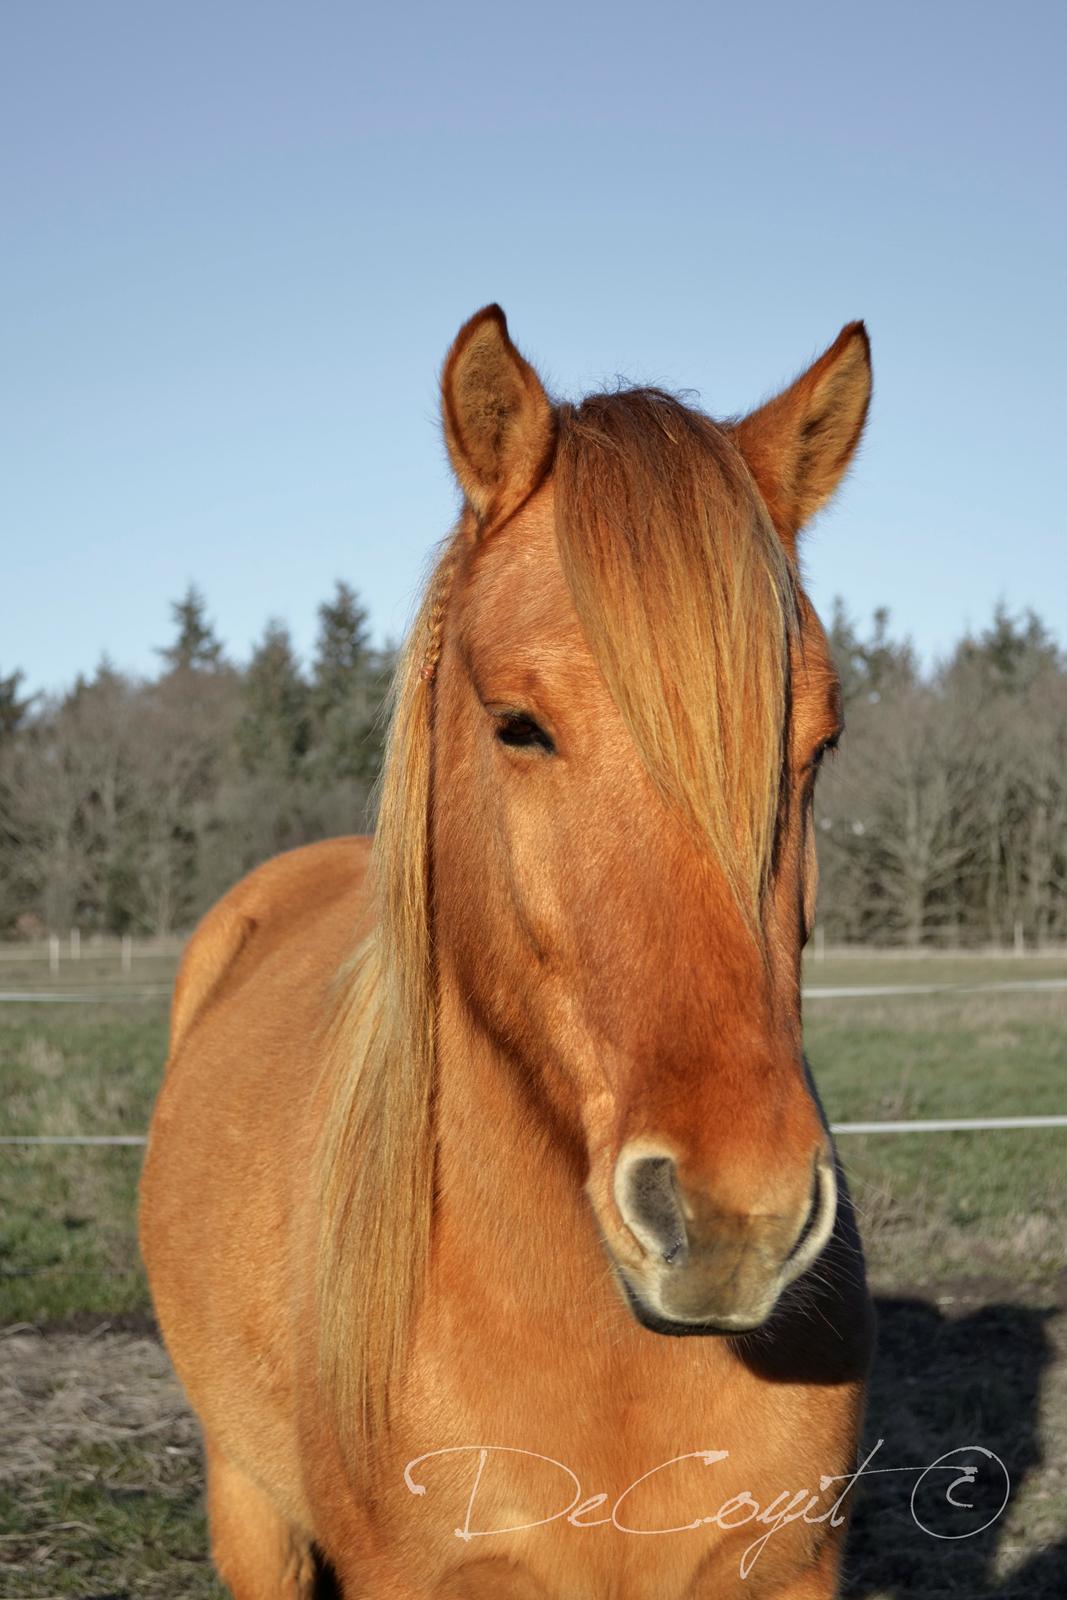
point(687, 600)
point(688, 603)
point(376, 1150)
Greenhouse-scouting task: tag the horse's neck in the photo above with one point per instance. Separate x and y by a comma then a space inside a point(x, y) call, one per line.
point(508, 1188)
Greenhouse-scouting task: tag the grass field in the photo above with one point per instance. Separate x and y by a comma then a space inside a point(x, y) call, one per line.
point(965, 1234)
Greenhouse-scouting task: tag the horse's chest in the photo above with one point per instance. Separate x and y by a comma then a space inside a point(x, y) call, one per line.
point(548, 1475)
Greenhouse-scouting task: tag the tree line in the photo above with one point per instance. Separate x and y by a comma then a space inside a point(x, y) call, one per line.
point(130, 805)
point(944, 820)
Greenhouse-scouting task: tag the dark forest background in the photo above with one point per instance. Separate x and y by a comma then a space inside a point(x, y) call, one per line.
point(129, 805)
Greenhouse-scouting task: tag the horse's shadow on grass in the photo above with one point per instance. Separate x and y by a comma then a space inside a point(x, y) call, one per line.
point(941, 1383)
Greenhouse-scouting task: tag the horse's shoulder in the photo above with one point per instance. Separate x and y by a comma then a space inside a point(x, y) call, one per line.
point(265, 901)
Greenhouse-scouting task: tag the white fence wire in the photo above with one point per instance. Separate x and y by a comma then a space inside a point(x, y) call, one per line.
point(931, 1125)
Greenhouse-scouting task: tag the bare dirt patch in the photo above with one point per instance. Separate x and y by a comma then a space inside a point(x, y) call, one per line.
point(62, 1390)
point(101, 1477)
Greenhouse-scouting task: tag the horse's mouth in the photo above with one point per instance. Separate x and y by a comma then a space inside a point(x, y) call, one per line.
point(655, 1322)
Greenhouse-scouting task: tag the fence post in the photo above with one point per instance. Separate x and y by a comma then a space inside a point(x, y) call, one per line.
point(820, 943)
point(53, 952)
point(127, 952)
point(1020, 943)
point(75, 944)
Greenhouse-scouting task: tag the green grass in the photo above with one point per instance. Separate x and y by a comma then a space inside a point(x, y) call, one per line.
point(98, 1511)
point(67, 1233)
point(937, 1206)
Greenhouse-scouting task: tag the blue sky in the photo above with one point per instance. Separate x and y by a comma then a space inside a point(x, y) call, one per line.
point(239, 237)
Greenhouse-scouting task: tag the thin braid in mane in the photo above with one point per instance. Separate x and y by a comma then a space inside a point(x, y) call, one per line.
point(376, 1151)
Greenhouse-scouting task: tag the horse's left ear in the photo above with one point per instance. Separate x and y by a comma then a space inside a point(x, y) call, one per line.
point(499, 423)
point(798, 445)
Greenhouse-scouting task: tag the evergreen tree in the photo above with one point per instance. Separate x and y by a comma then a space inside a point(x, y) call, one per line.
point(274, 730)
point(870, 667)
point(13, 707)
point(1010, 654)
point(196, 647)
point(349, 683)
point(341, 652)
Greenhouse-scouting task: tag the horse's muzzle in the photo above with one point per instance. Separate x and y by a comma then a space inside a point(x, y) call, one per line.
point(700, 1269)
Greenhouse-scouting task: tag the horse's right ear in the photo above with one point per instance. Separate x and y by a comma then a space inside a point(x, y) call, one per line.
point(499, 423)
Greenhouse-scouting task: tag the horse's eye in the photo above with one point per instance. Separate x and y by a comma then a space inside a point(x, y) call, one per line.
point(523, 733)
point(827, 744)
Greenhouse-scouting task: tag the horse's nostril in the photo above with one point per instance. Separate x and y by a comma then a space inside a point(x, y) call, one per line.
point(814, 1208)
point(818, 1224)
point(647, 1195)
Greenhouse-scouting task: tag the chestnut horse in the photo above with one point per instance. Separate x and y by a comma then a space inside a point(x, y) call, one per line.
point(463, 1128)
